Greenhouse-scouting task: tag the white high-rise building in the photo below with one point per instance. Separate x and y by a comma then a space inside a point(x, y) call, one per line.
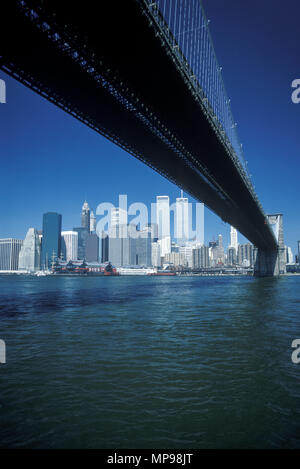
point(163, 223)
point(182, 219)
point(30, 253)
point(92, 222)
point(233, 239)
point(156, 260)
point(69, 245)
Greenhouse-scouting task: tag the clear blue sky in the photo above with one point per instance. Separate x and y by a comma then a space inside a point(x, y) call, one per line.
point(51, 162)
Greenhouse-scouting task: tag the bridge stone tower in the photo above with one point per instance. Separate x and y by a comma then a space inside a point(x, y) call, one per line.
point(272, 263)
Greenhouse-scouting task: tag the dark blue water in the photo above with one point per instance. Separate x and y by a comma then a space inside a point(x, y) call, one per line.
point(144, 362)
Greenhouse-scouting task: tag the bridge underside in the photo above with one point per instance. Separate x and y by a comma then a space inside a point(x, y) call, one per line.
point(114, 72)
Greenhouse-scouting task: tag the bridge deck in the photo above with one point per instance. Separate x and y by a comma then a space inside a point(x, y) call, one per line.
point(113, 73)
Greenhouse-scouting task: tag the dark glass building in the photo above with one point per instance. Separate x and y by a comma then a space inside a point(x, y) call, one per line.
point(51, 244)
point(104, 247)
point(92, 248)
point(82, 237)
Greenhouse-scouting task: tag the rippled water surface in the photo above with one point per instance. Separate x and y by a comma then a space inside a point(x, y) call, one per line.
point(144, 362)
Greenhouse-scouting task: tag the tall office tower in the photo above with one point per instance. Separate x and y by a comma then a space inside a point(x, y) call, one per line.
point(117, 231)
point(233, 239)
point(156, 259)
point(298, 256)
point(182, 220)
point(82, 233)
point(245, 255)
point(92, 248)
point(69, 243)
point(9, 253)
point(85, 216)
point(115, 250)
point(92, 222)
point(201, 257)
point(104, 247)
point(221, 254)
point(30, 253)
point(51, 243)
point(231, 256)
point(129, 245)
point(144, 247)
point(163, 223)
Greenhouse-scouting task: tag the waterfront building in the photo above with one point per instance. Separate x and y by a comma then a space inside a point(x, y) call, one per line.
point(231, 256)
point(182, 220)
point(30, 253)
point(216, 252)
point(220, 252)
point(233, 239)
point(82, 233)
point(92, 248)
point(85, 216)
point(69, 242)
point(144, 247)
point(177, 259)
point(104, 247)
point(122, 239)
point(129, 245)
point(245, 256)
point(163, 223)
point(9, 253)
point(51, 243)
point(201, 257)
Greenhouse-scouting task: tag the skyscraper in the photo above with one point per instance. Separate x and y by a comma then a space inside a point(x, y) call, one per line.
point(201, 257)
point(104, 247)
point(9, 253)
point(119, 247)
point(92, 222)
point(231, 256)
point(51, 243)
point(144, 247)
point(82, 236)
point(245, 255)
point(163, 223)
point(92, 248)
point(233, 239)
point(182, 220)
point(156, 259)
point(69, 241)
point(30, 253)
point(221, 254)
point(85, 216)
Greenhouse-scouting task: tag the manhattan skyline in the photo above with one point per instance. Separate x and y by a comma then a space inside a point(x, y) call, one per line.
point(57, 162)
